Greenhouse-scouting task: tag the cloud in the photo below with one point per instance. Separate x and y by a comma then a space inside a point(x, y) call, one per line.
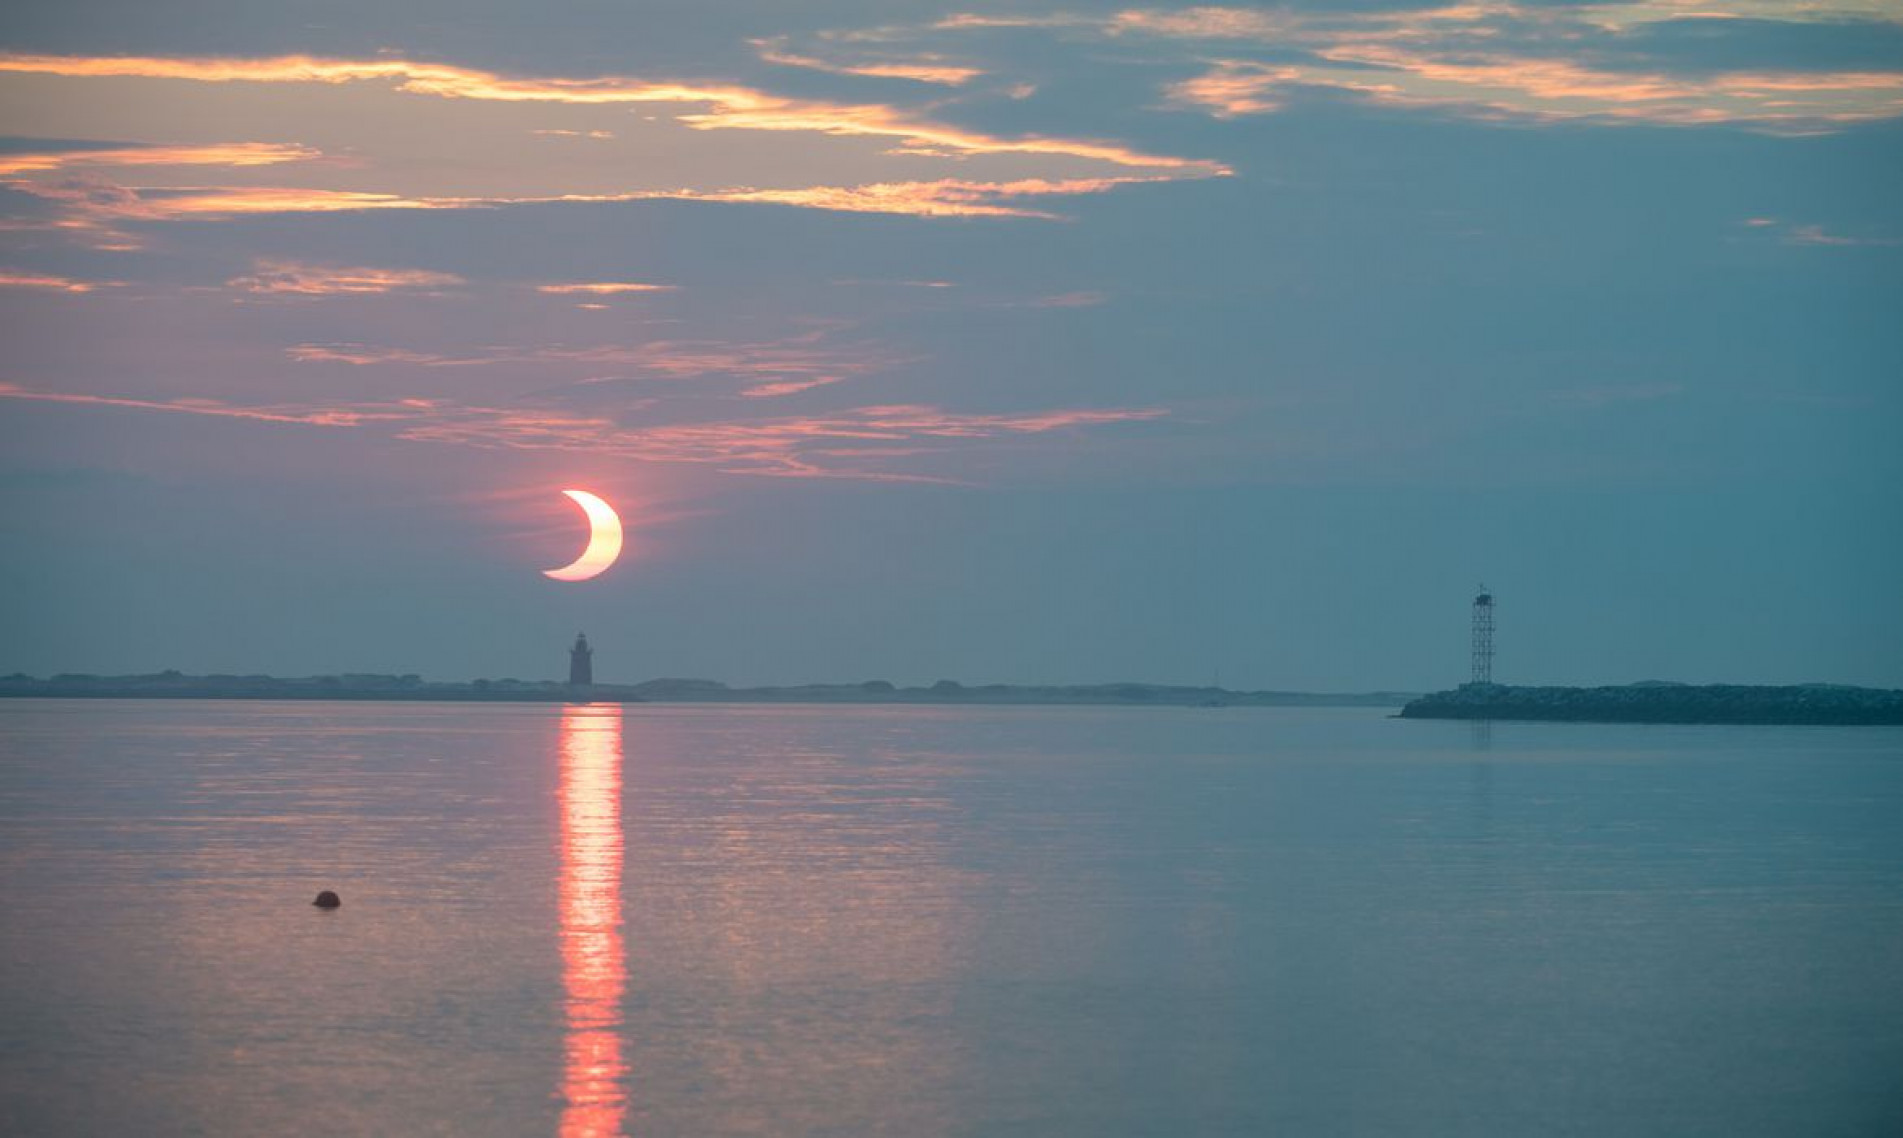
point(1635, 63)
point(224, 154)
point(1232, 88)
point(1070, 300)
point(317, 417)
point(100, 207)
point(728, 107)
point(948, 197)
point(362, 355)
point(1204, 23)
point(10, 278)
point(387, 134)
point(756, 369)
point(790, 386)
point(268, 276)
point(1813, 235)
point(1816, 235)
point(919, 70)
point(856, 443)
point(603, 288)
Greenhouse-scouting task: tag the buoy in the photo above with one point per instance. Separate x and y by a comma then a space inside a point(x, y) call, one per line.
point(328, 900)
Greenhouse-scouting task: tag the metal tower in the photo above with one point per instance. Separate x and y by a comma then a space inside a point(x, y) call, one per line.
point(1483, 637)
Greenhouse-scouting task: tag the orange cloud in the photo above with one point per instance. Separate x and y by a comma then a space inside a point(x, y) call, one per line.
point(603, 288)
point(1489, 60)
point(1204, 23)
point(1503, 84)
point(224, 154)
point(1232, 88)
point(103, 200)
point(10, 279)
point(732, 106)
point(322, 280)
point(999, 174)
point(944, 198)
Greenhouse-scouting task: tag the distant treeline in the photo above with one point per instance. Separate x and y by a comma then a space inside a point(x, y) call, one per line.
point(353, 685)
point(1667, 703)
point(369, 686)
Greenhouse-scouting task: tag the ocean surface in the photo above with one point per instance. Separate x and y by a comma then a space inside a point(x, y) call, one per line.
point(701, 921)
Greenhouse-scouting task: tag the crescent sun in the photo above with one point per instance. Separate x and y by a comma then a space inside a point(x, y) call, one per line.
point(604, 540)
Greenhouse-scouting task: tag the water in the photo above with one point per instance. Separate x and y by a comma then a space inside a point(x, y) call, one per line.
point(911, 921)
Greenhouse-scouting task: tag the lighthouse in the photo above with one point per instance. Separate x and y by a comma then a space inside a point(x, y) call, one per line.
point(581, 663)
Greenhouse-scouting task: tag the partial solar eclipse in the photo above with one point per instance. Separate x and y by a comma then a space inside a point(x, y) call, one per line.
point(604, 540)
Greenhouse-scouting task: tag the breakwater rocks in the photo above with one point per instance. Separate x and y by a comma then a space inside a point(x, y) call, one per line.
point(1667, 703)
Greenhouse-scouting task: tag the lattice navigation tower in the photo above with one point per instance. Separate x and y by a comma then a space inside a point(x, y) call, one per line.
point(1483, 637)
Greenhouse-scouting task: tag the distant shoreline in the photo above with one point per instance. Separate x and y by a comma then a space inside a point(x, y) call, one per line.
point(1739, 704)
point(411, 688)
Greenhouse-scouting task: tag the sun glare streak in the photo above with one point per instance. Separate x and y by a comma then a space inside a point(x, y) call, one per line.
point(594, 960)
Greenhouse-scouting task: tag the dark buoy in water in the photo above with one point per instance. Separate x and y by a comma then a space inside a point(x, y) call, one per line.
point(328, 900)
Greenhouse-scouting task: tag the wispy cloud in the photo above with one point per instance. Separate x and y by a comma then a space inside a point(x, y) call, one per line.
point(103, 207)
point(603, 288)
point(728, 107)
point(1493, 61)
point(948, 197)
point(1817, 235)
point(756, 369)
point(268, 276)
point(1505, 85)
point(790, 386)
point(1813, 235)
point(1210, 23)
point(14, 279)
point(1070, 300)
point(919, 70)
point(867, 157)
point(856, 443)
point(238, 154)
point(1232, 88)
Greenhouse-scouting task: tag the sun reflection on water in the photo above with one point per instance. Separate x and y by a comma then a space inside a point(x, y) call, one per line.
point(594, 961)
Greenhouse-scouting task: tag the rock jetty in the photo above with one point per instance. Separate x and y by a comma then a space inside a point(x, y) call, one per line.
point(1666, 703)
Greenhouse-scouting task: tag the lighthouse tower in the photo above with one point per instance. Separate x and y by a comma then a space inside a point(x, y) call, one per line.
point(581, 663)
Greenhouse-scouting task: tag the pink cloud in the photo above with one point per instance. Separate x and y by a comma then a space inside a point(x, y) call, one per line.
point(603, 288)
point(790, 386)
point(270, 276)
point(1071, 300)
point(851, 443)
point(12, 279)
point(750, 369)
point(223, 154)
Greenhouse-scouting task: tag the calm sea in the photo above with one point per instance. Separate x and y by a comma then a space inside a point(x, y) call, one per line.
point(704, 921)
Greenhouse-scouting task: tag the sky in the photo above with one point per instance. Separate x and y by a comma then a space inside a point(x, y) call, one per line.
point(1023, 342)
